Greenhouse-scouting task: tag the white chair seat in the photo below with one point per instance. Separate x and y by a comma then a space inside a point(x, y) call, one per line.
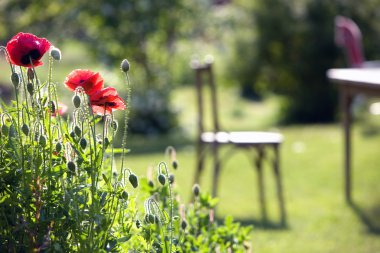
point(243, 138)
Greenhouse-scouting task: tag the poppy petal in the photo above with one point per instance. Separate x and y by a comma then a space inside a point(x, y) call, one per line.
point(26, 49)
point(87, 79)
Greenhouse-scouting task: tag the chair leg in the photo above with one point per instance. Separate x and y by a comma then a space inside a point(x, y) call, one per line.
point(260, 177)
point(215, 180)
point(200, 163)
point(276, 168)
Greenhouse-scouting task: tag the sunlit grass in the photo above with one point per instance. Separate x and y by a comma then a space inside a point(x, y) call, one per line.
point(319, 220)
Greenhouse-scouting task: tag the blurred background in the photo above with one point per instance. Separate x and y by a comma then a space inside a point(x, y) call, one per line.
point(271, 59)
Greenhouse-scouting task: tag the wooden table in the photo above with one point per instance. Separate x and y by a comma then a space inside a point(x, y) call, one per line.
point(353, 81)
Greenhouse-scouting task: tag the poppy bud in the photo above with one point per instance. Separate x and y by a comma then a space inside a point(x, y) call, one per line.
point(183, 224)
point(76, 101)
point(196, 190)
point(161, 179)
point(72, 134)
point(42, 141)
point(58, 147)
point(151, 218)
point(124, 195)
point(77, 131)
point(83, 143)
point(106, 142)
point(71, 166)
point(171, 179)
point(55, 53)
point(114, 125)
point(146, 218)
point(29, 88)
point(133, 180)
point(138, 223)
point(52, 107)
point(4, 129)
point(150, 183)
point(175, 164)
point(30, 74)
point(125, 65)
point(25, 129)
point(15, 78)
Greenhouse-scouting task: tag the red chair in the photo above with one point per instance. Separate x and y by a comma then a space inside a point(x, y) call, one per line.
point(349, 37)
point(264, 144)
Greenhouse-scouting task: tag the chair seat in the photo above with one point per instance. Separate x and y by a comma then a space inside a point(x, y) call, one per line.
point(242, 138)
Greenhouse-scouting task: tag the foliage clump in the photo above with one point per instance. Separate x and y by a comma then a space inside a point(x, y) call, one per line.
point(60, 190)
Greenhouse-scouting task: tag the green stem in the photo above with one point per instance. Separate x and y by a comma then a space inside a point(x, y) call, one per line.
point(171, 201)
point(126, 118)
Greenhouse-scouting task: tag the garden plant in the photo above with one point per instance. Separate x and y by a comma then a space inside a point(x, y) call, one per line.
point(65, 187)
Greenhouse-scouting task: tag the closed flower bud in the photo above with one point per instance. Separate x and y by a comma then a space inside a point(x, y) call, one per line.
point(124, 195)
point(55, 53)
point(15, 78)
point(150, 183)
point(25, 129)
point(30, 88)
point(4, 129)
point(72, 134)
point(58, 147)
point(196, 190)
point(133, 180)
point(146, 218)
point(83, 143)
point(77, 131)
point(30, 73)
point(183, 224)
point(125, 65)
point(161, 179)
point(138, 223)
point(76, 101)
point(171, 179)
point(114, 125)
point(106, 142)
point(151, 218)
point(175, 164)
point(42, 141)
point(52, 107)
point(71, 166)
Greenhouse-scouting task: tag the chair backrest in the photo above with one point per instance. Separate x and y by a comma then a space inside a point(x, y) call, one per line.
point(204, 77)
point(349, 37)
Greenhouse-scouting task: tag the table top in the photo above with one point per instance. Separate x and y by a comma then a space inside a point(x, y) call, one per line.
point(360, 76)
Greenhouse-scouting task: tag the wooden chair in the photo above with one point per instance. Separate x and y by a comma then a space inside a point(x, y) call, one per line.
point(265, 145)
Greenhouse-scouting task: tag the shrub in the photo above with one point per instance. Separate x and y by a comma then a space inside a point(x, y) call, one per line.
point(60, 190)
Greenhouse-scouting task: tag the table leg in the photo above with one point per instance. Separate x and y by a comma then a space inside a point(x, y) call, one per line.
point(346, 99)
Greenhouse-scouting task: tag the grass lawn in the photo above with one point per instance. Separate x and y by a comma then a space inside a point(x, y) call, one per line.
point(319, 220)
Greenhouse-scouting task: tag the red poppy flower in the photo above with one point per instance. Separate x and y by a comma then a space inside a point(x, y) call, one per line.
point(26, 47)
point(106, 100)
point(88, 80)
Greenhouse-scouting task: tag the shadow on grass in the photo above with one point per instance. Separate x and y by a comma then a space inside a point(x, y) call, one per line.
point(370, 217)
point(259, 223)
